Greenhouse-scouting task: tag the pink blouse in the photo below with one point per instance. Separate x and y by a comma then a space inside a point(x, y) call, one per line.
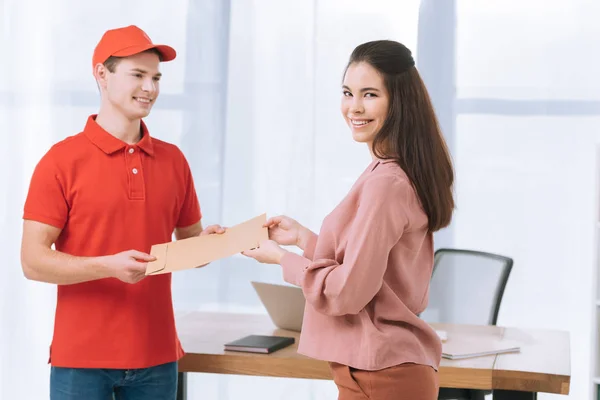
point(366, 277)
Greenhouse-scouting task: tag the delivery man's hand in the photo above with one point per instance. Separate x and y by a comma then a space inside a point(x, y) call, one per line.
point(212, 229)
point(128, 266)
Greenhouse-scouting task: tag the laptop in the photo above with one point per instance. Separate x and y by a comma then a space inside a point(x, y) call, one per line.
point(284, 304)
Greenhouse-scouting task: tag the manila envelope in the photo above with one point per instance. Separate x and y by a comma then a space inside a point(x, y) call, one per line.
point(199, 250)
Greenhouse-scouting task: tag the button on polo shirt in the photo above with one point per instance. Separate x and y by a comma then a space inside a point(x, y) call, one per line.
point(108, 196)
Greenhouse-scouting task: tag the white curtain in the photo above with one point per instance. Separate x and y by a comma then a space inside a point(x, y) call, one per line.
point(287, 148)
point(46, 93)
point(527, 125)
point(253, 101)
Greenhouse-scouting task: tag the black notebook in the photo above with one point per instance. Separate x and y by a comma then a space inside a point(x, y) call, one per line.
point(259, 344)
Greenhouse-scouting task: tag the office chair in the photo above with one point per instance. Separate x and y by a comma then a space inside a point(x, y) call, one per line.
point(466, 288)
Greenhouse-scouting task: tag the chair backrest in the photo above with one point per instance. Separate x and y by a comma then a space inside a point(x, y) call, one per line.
point(467, 287)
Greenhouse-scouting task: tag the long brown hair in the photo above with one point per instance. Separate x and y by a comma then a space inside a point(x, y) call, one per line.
point(411, 134)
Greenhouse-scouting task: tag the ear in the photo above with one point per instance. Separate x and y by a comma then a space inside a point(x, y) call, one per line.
point(101, 75)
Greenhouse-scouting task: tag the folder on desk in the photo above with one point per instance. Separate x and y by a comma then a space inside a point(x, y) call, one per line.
point(458, 348)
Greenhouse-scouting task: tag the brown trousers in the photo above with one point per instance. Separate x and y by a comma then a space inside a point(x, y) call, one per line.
point(402, 382)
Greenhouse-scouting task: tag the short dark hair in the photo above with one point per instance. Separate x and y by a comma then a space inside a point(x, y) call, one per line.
point(411, 134)
point(111, 63)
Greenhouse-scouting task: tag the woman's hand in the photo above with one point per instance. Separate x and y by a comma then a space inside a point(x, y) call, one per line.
point(268, 252)
point(287, 231)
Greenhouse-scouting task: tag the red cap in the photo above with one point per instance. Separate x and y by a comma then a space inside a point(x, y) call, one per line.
point(127, 41)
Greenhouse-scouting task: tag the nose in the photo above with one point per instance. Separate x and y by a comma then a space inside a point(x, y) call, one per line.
point(356, 106)
point(149, 85)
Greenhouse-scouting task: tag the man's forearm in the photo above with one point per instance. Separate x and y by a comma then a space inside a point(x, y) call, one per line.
point(46, 265)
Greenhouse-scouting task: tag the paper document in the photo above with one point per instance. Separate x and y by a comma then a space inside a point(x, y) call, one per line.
point(196, 251)
point(457, 348)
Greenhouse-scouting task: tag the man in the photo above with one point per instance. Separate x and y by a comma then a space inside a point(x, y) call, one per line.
point(103, 197)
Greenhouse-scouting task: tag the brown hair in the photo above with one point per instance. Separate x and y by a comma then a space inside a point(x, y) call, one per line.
point(411, 135)
point(111, 62)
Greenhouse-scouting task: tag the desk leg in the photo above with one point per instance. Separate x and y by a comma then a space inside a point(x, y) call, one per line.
point(513, 395)
point(181, 386)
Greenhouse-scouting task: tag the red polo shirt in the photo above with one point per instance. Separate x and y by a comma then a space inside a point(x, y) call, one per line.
point(108, 196)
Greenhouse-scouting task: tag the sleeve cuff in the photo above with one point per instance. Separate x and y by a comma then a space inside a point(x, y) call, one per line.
point(294, 266)
point(309, 251)
point(185, 224)
point(55, 222)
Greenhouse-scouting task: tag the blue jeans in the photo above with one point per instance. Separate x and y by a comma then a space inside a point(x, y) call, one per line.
point(154, 383)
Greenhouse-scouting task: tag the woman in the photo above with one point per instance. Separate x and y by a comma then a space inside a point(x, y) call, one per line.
point(366, 275)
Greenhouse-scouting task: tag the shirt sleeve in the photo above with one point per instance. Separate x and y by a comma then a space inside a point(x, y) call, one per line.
point(380, 220)
point(190, 212)
point(46, 200)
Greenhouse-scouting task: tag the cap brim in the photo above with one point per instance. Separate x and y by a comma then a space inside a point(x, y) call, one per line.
point(167, 52)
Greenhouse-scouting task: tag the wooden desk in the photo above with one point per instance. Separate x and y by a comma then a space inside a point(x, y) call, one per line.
point(543, 365)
